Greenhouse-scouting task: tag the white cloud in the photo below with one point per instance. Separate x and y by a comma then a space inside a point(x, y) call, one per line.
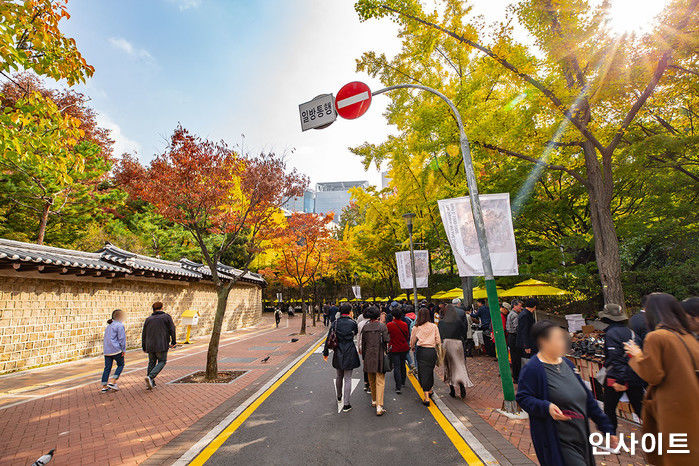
point(186, 4)
point(121, 142)
point(127, 47)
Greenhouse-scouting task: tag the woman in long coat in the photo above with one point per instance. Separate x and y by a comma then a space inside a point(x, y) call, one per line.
point(453, 333)
point(345, 357)
point(374, 339)
point(669, 363)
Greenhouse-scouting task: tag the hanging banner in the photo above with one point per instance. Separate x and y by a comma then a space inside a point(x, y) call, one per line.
point(422, 269)
point(357, 290)
point(279, 297)
point(461, 232)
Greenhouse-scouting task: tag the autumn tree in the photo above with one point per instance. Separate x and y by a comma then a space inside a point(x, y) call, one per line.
point(41, 137)
point(303, 245)
point(571, 100)
point(222, 198)
point(54, 157)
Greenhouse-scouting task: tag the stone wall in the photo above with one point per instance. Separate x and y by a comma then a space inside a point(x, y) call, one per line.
point(47, 320)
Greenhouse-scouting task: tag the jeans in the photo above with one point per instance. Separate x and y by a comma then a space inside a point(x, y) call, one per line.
point(410, 357)
point(346, 377)
point(399, 372)
point(611, 400)
point(108, 361)
point(156, 362)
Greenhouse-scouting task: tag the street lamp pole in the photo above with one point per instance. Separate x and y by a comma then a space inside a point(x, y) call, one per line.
point(409, 223)
point(505, 375)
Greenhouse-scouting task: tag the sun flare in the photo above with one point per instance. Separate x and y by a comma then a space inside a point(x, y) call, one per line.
point(634, 16)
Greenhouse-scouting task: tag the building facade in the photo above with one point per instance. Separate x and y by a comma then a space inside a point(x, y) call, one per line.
point(328, 197)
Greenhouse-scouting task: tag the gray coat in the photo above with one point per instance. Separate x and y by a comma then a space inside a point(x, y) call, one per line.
point(373, 348)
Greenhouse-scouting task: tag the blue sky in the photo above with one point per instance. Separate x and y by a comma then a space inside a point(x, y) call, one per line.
point(228, 68)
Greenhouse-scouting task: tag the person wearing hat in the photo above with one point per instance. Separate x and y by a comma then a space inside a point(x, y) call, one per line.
point(620, 378)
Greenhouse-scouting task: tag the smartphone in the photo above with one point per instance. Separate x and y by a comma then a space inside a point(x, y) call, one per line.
point(572, 414)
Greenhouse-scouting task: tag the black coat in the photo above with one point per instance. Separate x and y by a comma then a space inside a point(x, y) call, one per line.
point(158, 332)
point(345, 356)
point(638, 324)
point(615, 359)
point(525, 320)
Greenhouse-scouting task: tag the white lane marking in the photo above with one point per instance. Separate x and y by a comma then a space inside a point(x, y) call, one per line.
point(235, 340)
point(353, 100)
point(195, 449)
point(342, 402)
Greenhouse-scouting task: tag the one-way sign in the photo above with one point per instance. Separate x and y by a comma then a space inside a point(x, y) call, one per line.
point(318, 113)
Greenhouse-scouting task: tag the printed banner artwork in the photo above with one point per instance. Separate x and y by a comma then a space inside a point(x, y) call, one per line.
point(357, 290)
point(422, 269)
point(279, 297)
point(461, 232)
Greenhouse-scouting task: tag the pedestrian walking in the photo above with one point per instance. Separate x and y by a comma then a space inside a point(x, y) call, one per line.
point(400, 345)
point(558, 402)
point(114, 350)
point(620, 378)
point(345, 357)
point(638, 323)
point(277, 316)
point(483, 316)
point(452, 332)
point(511, 328)
point(425, 341)
point(669, 362)
point(525, 321)
point(158, 336)
point(372, 345)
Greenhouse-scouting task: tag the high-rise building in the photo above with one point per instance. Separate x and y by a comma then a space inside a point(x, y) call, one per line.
point(385, 180)
point(328, 197)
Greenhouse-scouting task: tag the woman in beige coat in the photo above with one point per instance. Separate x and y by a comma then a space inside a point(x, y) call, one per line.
point(669, 363)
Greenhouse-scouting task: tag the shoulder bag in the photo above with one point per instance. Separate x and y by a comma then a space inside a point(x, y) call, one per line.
point(332, 337)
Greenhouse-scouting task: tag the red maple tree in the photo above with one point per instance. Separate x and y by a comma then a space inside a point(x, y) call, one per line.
point(222, 197)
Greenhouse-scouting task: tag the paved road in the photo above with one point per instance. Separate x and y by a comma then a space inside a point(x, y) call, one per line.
point(299, 424)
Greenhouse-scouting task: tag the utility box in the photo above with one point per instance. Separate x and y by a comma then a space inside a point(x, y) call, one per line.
point(189, 317)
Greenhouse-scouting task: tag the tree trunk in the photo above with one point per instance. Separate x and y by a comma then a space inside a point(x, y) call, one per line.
point(467, 289)
point(212, 354)
point(43, 220)
point(303, 314)
point(600, 193)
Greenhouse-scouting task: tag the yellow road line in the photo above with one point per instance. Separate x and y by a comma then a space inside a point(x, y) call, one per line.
point(458, 441)
point(216, 443)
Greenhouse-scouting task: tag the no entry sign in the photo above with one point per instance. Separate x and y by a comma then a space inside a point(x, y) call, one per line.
point(353, 100)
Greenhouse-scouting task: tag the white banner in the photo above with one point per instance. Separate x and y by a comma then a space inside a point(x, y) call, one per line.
point(422, 269)
point(461, 231)
point(357, 290)
point(279, 297)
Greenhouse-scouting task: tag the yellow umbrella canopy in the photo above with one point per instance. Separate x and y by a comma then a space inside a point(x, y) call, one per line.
point(478, 293)
point(438, 295)
point(533, 287)
point(405, 297)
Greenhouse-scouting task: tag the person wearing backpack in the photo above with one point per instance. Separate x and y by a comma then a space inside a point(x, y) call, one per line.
point(340, 340)
point(400, 345)
point(619, 377)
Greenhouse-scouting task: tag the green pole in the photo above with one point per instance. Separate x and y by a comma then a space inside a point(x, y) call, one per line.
point(508, 389)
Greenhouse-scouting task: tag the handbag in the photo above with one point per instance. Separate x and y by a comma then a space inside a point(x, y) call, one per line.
point(440, 354)
point(332, 337)
point(387, 362)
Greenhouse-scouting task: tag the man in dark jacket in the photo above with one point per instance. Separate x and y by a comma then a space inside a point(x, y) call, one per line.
point(158, 336)
point(525, 320)
point(620, 377)
point(638, 323)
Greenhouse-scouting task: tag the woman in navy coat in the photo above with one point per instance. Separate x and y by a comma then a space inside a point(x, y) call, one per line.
point(558, 402)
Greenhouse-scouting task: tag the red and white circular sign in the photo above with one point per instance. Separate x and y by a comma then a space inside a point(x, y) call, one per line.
point(353, 100)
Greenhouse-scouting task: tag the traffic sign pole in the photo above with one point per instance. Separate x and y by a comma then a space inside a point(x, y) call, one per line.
point(508, 389)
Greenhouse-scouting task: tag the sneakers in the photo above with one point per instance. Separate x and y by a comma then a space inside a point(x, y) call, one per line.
point(373, 404)
point(398, 392)
point(366, 387)
point(149, 383)
point(380, 411)
point(346, 408)
point(105, 389)
point(339, 398)
point(113, 386)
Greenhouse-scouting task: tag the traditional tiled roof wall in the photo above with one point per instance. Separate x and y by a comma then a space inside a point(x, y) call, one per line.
point(108, 262)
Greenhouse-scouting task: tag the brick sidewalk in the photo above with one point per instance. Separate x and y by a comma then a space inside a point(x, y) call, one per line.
point(485, 398)
point(86, 426)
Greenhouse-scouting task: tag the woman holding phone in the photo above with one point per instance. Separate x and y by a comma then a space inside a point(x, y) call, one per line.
point(558, 402)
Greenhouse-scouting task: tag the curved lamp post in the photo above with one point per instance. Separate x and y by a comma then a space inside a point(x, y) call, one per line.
point(508, 390)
